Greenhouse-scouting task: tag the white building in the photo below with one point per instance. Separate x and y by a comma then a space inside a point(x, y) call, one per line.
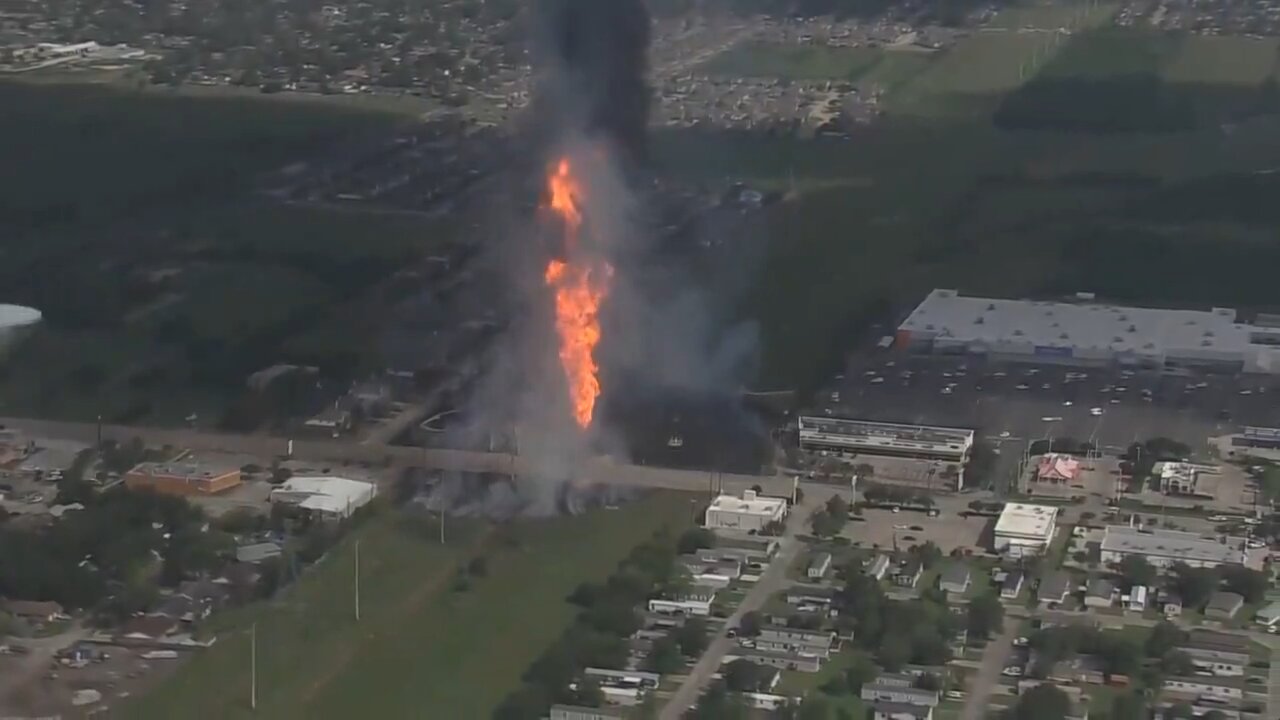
point(749, 512)
point(696, 601)
point(1025, 529)
point(1269, 615)
point(862, 437)
point(1088, 333)
point(1163, 548)
point(332, 497)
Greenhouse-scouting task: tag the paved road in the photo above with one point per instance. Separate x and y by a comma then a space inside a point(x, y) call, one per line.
point(993, 661)
point(598, 469)
point(773, 580)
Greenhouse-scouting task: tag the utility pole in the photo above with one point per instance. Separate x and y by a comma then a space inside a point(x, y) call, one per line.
point(357, 580)
point(442, 525)
point(253, 666)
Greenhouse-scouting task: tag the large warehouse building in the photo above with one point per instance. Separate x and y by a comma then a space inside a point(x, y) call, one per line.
point(860, 437)
point(1088, 333)
point(1163, 548)
point(1025, 529)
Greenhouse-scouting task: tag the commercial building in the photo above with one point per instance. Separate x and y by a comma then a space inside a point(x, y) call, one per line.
point(1163, 548)
point(185, 476)
point(1025, 529)
point(749, 512)
point(1089, 333)
point(328, 496)
point(1058, 469)
point(1177, 478)
point(1257, 437)
point(861, 437)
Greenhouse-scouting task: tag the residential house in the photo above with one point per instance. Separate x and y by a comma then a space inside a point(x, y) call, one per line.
point(1171, 711)
point(1205, 688)
point(780, 660)
point(1100, 593)
point(146, 629)
point(1012, 585)
point(900, 711)
point(1268, 616)
point(879, 691)
point(1219, 654)
point(576, 712)
point(811, 597)
point(695, 601)
point(35, 611)
point(1223, 605)
point(1170, 603)
point(258, 552)
point(955, 579)
point(607, 677)
point(779, 638)
point(1055, 588)
point(909, 574)
point(878, 566)
point(819, 566)
point(1136, 600)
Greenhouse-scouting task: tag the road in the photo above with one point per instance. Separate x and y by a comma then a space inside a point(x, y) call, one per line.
point(597, 469)
point(773, 580)
point(993, 661)
point(31, 665)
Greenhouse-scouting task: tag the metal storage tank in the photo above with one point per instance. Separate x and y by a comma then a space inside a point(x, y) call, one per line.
point(16, 323)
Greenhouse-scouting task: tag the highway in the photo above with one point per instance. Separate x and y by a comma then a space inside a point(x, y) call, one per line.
point(601, 469)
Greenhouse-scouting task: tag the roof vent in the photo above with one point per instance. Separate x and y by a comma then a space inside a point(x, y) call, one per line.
point(979, 321)
point(1133, 328)
point(1063, 336)
point(991, 306)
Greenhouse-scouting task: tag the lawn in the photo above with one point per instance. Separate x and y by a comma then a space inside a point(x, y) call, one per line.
point(419, 642)
point(1226, 60)
point(793, 62)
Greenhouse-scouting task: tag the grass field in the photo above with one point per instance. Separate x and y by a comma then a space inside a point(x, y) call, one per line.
point(793, 62)
point(419, 643)
point(1234, 60)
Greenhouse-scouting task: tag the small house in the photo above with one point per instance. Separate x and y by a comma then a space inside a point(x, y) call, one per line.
point(878, 567)
point(1223, 605)
point(955, 579)
point(909, 574)
point(819, 566)
point(1137, 598)
point(1100, 593)
point(34, 611)
point(1012, 585)
point(1055, 588)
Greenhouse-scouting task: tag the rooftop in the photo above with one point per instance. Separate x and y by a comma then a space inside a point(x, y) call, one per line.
point(1027, 520)
point(327, 493)
point(1145, 331)
point(859, 429)
point(188, 468)
point(748, 504)
point(1227, 602)
point(1056, 585)
point(897, 709)
point(1173, 544)
point(957, 574)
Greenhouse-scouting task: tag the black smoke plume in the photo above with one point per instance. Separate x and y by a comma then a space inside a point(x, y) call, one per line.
point(600, 48)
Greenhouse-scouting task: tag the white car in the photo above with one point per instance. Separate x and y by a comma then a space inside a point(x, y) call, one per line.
point(1012, 671)
point(946, 390)
point(1095, 411)
point(1023, 386)
point(1067, 403)
point(877, 380)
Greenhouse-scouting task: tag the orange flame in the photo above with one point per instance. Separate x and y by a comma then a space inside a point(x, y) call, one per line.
point(579, 291)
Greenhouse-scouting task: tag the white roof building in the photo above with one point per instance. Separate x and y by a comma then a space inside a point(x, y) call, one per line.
point(328, 495)
point(749, 512)
point(1090, 332)
point(1163, 548)
point(1025, 529)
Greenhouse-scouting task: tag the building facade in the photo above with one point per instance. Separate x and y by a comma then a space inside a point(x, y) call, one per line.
point(184, 477)
point(749, 512)
point(1024, 529)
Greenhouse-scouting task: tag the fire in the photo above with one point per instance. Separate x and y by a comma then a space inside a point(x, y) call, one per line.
point(579, 289)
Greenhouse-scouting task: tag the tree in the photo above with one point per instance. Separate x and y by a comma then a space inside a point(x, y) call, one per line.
point(815, 707)
point(1195, 585)
point(985, 615)
point(695, 539)
point(743, 676)
point(895, 652)
point(692, 637)
point(837, 505)
point(827, 525)
point(1129, 706)
point(860, 672)
point(1249, 583)
point(1177, 662)
point(717, 703)
point(1137, 571)
point(587, 693)
point(1165, 636)
point(928, 554)
point(664, 658)
point(749, 625)
point(1042, 702)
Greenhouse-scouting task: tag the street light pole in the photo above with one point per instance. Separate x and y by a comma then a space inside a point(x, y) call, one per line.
point(253, 666)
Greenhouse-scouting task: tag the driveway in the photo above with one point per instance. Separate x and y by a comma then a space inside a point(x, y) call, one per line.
point(773, 580)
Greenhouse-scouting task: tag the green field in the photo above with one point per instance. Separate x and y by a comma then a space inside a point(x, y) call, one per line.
point(793, 62)
point(149, 249)
point(1210, 59)
point(419, 643)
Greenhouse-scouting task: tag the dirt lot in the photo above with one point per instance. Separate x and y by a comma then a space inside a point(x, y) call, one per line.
point(123, 673)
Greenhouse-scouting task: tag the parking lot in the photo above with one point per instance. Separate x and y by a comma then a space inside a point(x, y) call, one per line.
point(948, 531)
point(1017, 401)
